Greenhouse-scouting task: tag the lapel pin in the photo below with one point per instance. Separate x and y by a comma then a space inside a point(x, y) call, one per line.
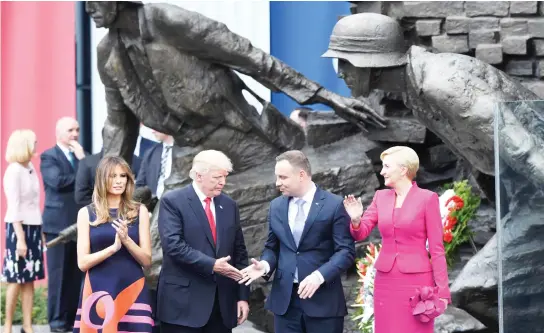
point(317, 203)
point(220, 206)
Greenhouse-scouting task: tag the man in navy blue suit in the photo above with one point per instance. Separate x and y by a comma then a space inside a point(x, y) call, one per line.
point(156, 165)
point(203, 250)
point(143, 144)
point(58, 167)
point(308, 248)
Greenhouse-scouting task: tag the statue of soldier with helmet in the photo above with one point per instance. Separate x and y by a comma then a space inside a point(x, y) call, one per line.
point(453, 95)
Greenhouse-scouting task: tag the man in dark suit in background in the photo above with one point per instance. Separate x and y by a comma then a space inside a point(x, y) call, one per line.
point(309, 246)
point(200, 234)
point(156, 165)
point(143, 144)
point(58, 167)
point(86, 173)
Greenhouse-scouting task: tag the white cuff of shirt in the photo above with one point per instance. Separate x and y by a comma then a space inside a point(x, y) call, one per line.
point(319, 276)
point(266, 266)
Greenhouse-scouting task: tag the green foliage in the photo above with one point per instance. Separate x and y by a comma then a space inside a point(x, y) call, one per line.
point(39, 311)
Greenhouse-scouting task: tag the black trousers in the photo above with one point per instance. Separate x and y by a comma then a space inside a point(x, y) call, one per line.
point(296, 321)
point(63, 284)
point(214, 324)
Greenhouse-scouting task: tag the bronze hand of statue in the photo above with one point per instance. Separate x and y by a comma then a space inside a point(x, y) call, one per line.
point(356, 111)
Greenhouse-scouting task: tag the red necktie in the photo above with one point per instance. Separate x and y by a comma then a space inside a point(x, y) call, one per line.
point(209, 214)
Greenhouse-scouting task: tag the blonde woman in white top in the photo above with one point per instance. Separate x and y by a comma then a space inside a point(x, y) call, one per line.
point(23, 257)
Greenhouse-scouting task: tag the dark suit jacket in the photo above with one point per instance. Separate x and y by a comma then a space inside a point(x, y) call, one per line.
point(58, 177)
point(326, 245)
point(86, 174)
point(150, 168)
point(187, 284)
point(145, 145)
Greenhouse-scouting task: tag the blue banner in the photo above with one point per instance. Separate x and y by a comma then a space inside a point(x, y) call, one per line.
point(299, 35)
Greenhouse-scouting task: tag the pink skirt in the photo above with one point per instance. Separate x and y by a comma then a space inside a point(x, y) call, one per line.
point(392, 292)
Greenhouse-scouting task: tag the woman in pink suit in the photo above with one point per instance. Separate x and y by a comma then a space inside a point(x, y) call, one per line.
point(407, 216)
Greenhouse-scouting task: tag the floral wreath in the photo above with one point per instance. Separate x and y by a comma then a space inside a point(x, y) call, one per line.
point(457, 206)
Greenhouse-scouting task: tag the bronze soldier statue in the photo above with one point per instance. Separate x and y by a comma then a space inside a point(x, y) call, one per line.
point(173, 70)
point(453, 95)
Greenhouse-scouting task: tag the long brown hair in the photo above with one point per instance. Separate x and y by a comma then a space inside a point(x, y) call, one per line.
point(128, 208)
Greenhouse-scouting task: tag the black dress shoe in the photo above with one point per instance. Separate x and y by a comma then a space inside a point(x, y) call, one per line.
point(57, 330)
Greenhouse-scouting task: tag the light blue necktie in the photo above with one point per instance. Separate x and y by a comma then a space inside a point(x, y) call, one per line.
point(71, 159)
point(298, 227)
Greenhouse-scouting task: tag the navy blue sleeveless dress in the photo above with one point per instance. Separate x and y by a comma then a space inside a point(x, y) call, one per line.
point(114, 297)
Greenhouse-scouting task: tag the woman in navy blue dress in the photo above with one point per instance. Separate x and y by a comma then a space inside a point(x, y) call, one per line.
point(113, 246)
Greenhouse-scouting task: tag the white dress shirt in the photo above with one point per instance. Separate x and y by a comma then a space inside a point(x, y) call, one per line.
point(202, 197)
point(293, 207)
point(167, 170)
point(22, 190)
point(66, 152)
point(292, 213)
point(137, 148)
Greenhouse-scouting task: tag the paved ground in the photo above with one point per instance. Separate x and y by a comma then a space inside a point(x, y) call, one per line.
point(247, 327)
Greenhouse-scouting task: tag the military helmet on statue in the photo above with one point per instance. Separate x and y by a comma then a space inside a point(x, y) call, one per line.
point(368, 40)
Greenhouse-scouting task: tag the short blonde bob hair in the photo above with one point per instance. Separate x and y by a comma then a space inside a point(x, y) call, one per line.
point(20, 147)
point(404, 156)
point(208, 160)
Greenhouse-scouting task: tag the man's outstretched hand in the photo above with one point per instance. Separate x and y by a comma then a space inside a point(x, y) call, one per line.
point(252, 272)
point(353, 110)
point(224, 268)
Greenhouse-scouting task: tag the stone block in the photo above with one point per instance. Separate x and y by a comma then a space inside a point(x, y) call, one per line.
point(520, 67)
point(538, 45)
point(455, 43)
point(540, 8)
point(540, 68)
point(432, 8)
point(536, 27)
point(513, 26)
point(484, 23)
point(490, 53)
point(478, 37)
point(523, 7)
point(483, 8)
point(457, 25)
point(370, 7)
point(353, 8)
point(428, 27)
point(515, 45)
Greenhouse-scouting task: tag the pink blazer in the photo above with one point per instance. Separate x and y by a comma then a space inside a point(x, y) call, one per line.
point(404, 234)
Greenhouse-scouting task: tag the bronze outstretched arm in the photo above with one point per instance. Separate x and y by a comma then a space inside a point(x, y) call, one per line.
point(212, 40)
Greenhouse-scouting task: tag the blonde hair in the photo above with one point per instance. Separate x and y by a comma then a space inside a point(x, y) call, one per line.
point(208, 160)
point(128, 208)
point(404, 156)
point(20, 146)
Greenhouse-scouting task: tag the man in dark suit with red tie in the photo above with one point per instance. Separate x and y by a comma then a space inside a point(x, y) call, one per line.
point(203, 250)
